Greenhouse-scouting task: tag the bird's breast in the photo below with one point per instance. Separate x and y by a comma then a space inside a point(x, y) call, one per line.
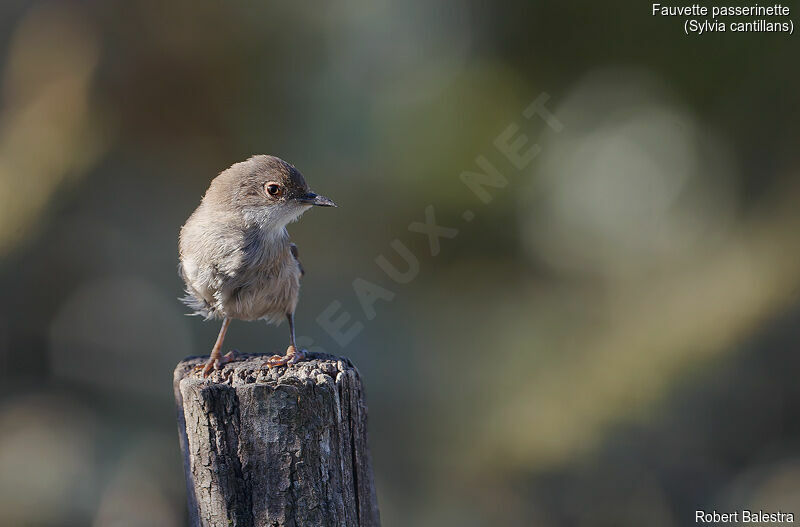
point(264, 288)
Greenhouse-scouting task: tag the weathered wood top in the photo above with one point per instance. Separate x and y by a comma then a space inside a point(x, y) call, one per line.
point(251, 369)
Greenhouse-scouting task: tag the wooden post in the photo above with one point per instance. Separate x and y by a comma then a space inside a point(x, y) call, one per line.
point(281, 447)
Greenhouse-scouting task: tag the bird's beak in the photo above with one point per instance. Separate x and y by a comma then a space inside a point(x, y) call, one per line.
point(315, 199)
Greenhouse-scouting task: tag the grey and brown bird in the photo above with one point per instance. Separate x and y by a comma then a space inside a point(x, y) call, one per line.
point(235, 255)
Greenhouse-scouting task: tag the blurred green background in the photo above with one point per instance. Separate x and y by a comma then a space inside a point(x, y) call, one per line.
point(612, 340)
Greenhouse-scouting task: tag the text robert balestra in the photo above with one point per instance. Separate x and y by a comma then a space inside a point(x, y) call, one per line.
point(743, 516)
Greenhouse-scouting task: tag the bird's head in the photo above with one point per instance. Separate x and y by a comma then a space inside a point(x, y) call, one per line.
point(270, 192)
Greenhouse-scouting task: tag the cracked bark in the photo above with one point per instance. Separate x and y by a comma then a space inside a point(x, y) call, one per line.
point(281, 447)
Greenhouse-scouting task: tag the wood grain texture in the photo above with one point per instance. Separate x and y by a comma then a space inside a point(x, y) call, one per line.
point(281, 447)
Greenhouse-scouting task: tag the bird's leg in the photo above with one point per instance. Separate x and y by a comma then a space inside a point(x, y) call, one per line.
point(217, 360)
point(293, 355)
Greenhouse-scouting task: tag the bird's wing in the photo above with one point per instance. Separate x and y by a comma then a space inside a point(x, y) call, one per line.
point(295, 253)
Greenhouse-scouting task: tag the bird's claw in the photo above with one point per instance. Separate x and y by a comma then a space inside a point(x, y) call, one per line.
point(216, 363)
point(293, 356)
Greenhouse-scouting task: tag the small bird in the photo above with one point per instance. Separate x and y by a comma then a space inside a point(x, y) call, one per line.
point(235, 255)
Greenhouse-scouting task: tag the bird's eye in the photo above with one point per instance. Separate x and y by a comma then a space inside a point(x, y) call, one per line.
point(273, 189)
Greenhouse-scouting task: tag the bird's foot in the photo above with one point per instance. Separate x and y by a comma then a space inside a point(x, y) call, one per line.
point(293, 355)
point(216, 363)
